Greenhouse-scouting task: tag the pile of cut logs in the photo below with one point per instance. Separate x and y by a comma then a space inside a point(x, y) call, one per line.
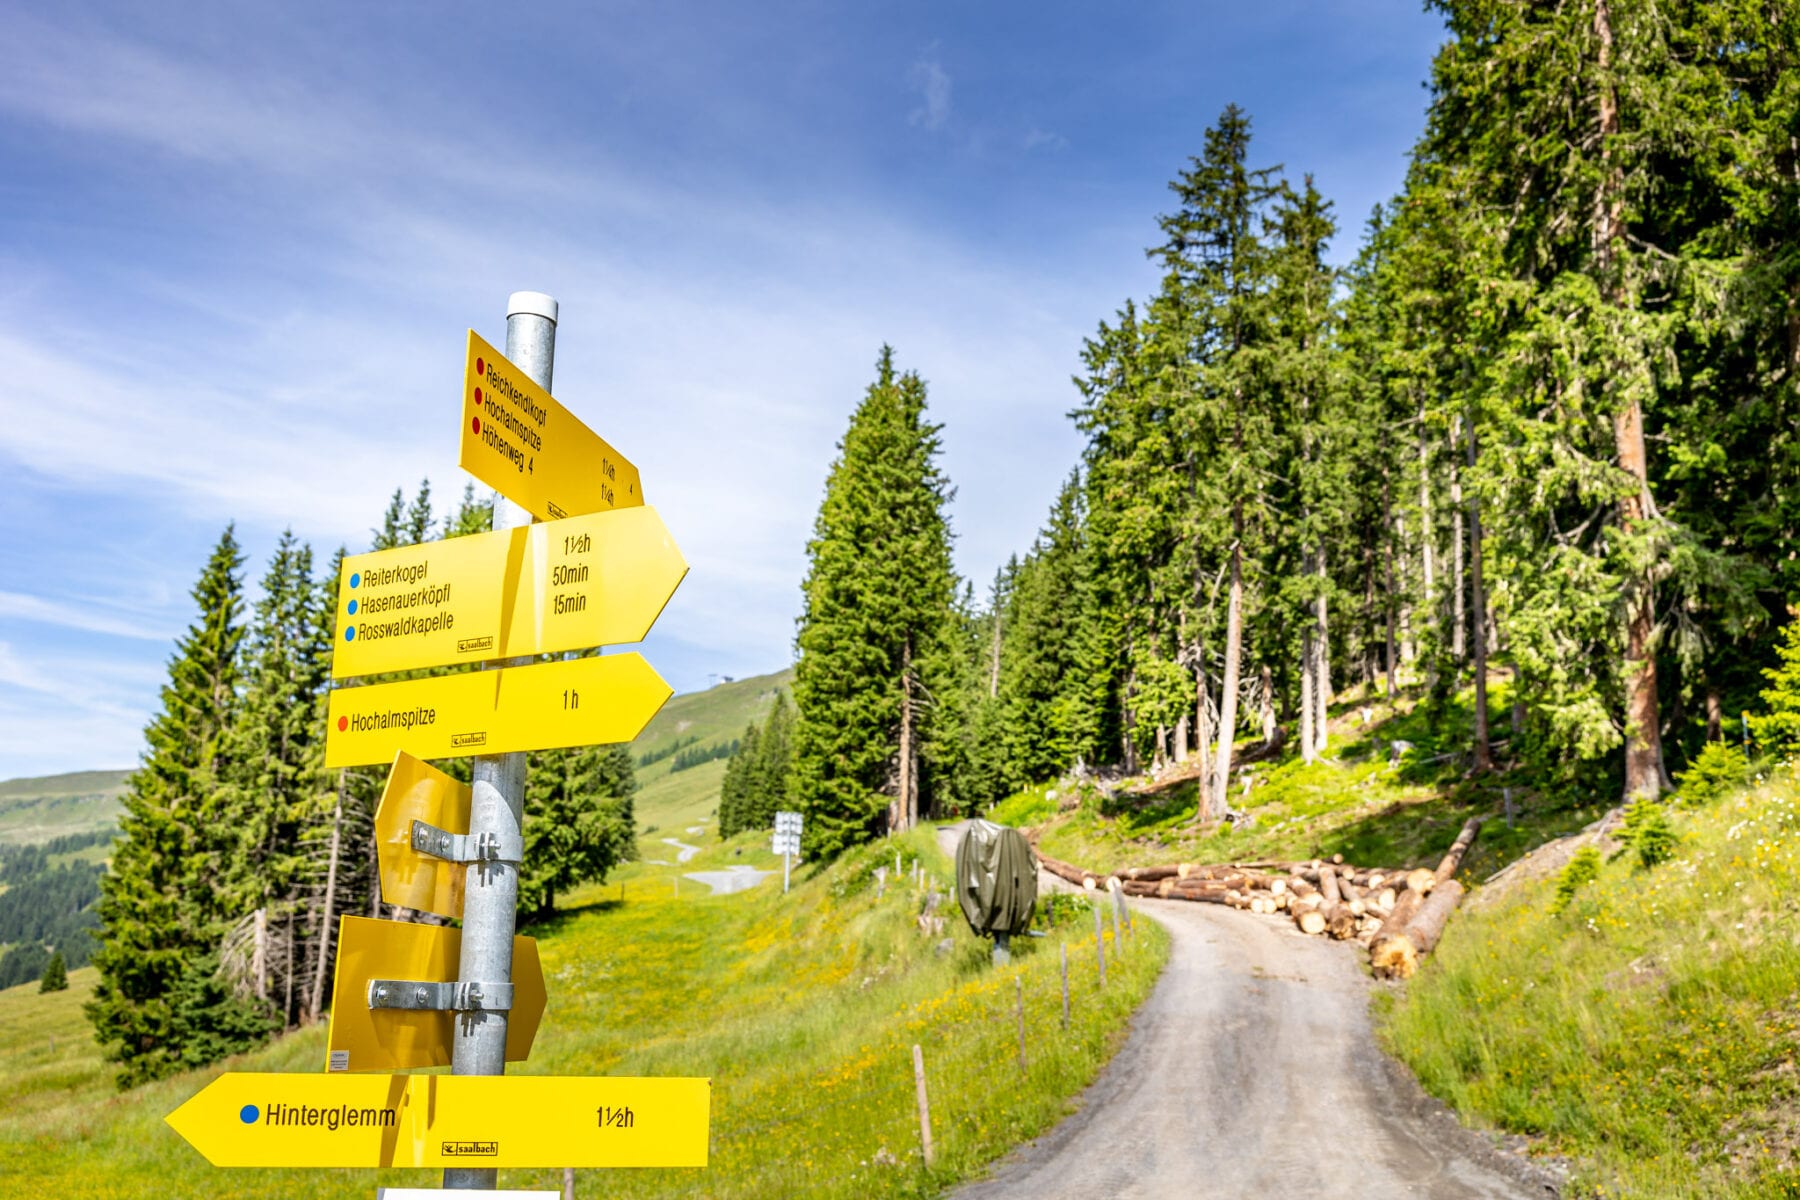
point(1398, 914)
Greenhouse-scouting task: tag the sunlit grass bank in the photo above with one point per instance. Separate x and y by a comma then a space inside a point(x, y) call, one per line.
point(1391, 789)
point(803, 1010)
point(1651, 1030)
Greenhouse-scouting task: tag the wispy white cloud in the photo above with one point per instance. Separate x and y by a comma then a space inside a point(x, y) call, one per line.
point(928, 77)
point(77, 612)
point(1043, 139)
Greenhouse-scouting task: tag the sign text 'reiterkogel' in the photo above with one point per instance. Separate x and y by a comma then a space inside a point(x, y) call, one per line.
point(597, 580)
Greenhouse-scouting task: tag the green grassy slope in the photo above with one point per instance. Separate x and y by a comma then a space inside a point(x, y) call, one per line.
point(670, 800)
point(1357, 800)
point(41, 808)
point(803, 1010)
point(1651, 1030)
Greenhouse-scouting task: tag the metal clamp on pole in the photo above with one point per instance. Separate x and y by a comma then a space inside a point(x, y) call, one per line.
point(466, 847)
point(454, 996)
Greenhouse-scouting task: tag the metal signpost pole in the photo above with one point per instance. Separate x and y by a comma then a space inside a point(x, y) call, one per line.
point(497, 809)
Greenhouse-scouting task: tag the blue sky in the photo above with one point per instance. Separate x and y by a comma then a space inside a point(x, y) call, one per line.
point(240, 246)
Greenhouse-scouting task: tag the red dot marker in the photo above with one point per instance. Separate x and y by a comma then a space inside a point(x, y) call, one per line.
point(343, 724)
point(480, 367)
point(477, 424)
point(478, 395)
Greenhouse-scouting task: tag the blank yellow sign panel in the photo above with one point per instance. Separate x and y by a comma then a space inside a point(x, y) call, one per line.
point(520, 441)
point(418, 791)
point(243, 1119)
point(395, 1039)
point(597, 580)
point(581, 702)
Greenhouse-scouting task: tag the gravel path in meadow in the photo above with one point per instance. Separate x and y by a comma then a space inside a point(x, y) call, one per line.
point(1253, 1065)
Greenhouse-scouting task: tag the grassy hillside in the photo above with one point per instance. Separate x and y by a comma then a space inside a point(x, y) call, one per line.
point(38, 809)
point(803, 1009)
point(1389, 791)
point(669, 801)
point(1651, 1030)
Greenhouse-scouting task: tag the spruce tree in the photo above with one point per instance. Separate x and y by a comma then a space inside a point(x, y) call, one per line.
point(580, 822)
point(875, 631)
point(735, 800)
point(56, 975)
point(1038, 672)
point(767, 790)
point(277, 793)
point(158, 1007)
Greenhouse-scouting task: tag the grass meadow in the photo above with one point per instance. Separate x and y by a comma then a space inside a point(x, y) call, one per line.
point(1651, 1030)
point(1389, 791)
point(802, 1009)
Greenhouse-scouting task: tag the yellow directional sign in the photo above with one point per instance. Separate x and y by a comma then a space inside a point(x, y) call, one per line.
point(581, 702)
point(594, 580)
point(519, 441)
point(401, 1039)
point(244, 1119)
point(418, 791)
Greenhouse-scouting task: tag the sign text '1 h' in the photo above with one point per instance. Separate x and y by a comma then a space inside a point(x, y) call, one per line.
point(520, 441)
point(245, 1119)
point(580, 702)
point(595, 580)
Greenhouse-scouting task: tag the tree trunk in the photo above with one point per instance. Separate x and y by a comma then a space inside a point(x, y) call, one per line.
point(904, 802)
point(326, 928)
point(1203, 736)
point(1427, 532)
point(1484, 757)
point(1307, 753)
point(1234, 642)
point(1715, 714)
point(1453, 857)
point(1643, 731)
point(1268, 705)
point(1387, 516)
point(287, 1003)
point(1321, 655)
point(1459, 613)
point(259, 955)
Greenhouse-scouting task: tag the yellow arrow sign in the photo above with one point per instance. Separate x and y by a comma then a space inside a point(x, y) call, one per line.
point(418, 791)
point(588, 581)
point(581, 702)
point(399, 1039)
point(244, 1119)
point(519, 441)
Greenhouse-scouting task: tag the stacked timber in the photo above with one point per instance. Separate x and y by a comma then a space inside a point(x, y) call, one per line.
point(1399, 913)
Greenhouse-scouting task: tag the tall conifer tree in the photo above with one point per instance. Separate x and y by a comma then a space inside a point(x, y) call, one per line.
point(874, 637)
point(160, 1005)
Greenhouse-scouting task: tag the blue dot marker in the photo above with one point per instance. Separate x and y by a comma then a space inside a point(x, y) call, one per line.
point(350, 634)
point(248, 1114)
point(353, 608)
point(356, 579)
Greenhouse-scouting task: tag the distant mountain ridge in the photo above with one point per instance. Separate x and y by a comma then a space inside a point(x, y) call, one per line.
point(36, 809)
point(39, 808)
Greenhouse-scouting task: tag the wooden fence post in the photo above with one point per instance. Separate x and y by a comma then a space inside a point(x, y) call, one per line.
point(924, 1102)
point(1099, 941)
point(1019, 991)
point(1065, 965)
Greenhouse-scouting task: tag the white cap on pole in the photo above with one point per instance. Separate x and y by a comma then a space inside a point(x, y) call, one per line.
point(535, 304)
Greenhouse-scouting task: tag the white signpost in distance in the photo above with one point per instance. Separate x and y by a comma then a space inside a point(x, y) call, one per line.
point(786, 842)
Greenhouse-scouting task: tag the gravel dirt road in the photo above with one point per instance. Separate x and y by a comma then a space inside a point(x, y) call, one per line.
point(1253, 1066)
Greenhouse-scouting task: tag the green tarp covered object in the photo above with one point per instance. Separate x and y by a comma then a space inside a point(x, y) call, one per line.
point(996, 879)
